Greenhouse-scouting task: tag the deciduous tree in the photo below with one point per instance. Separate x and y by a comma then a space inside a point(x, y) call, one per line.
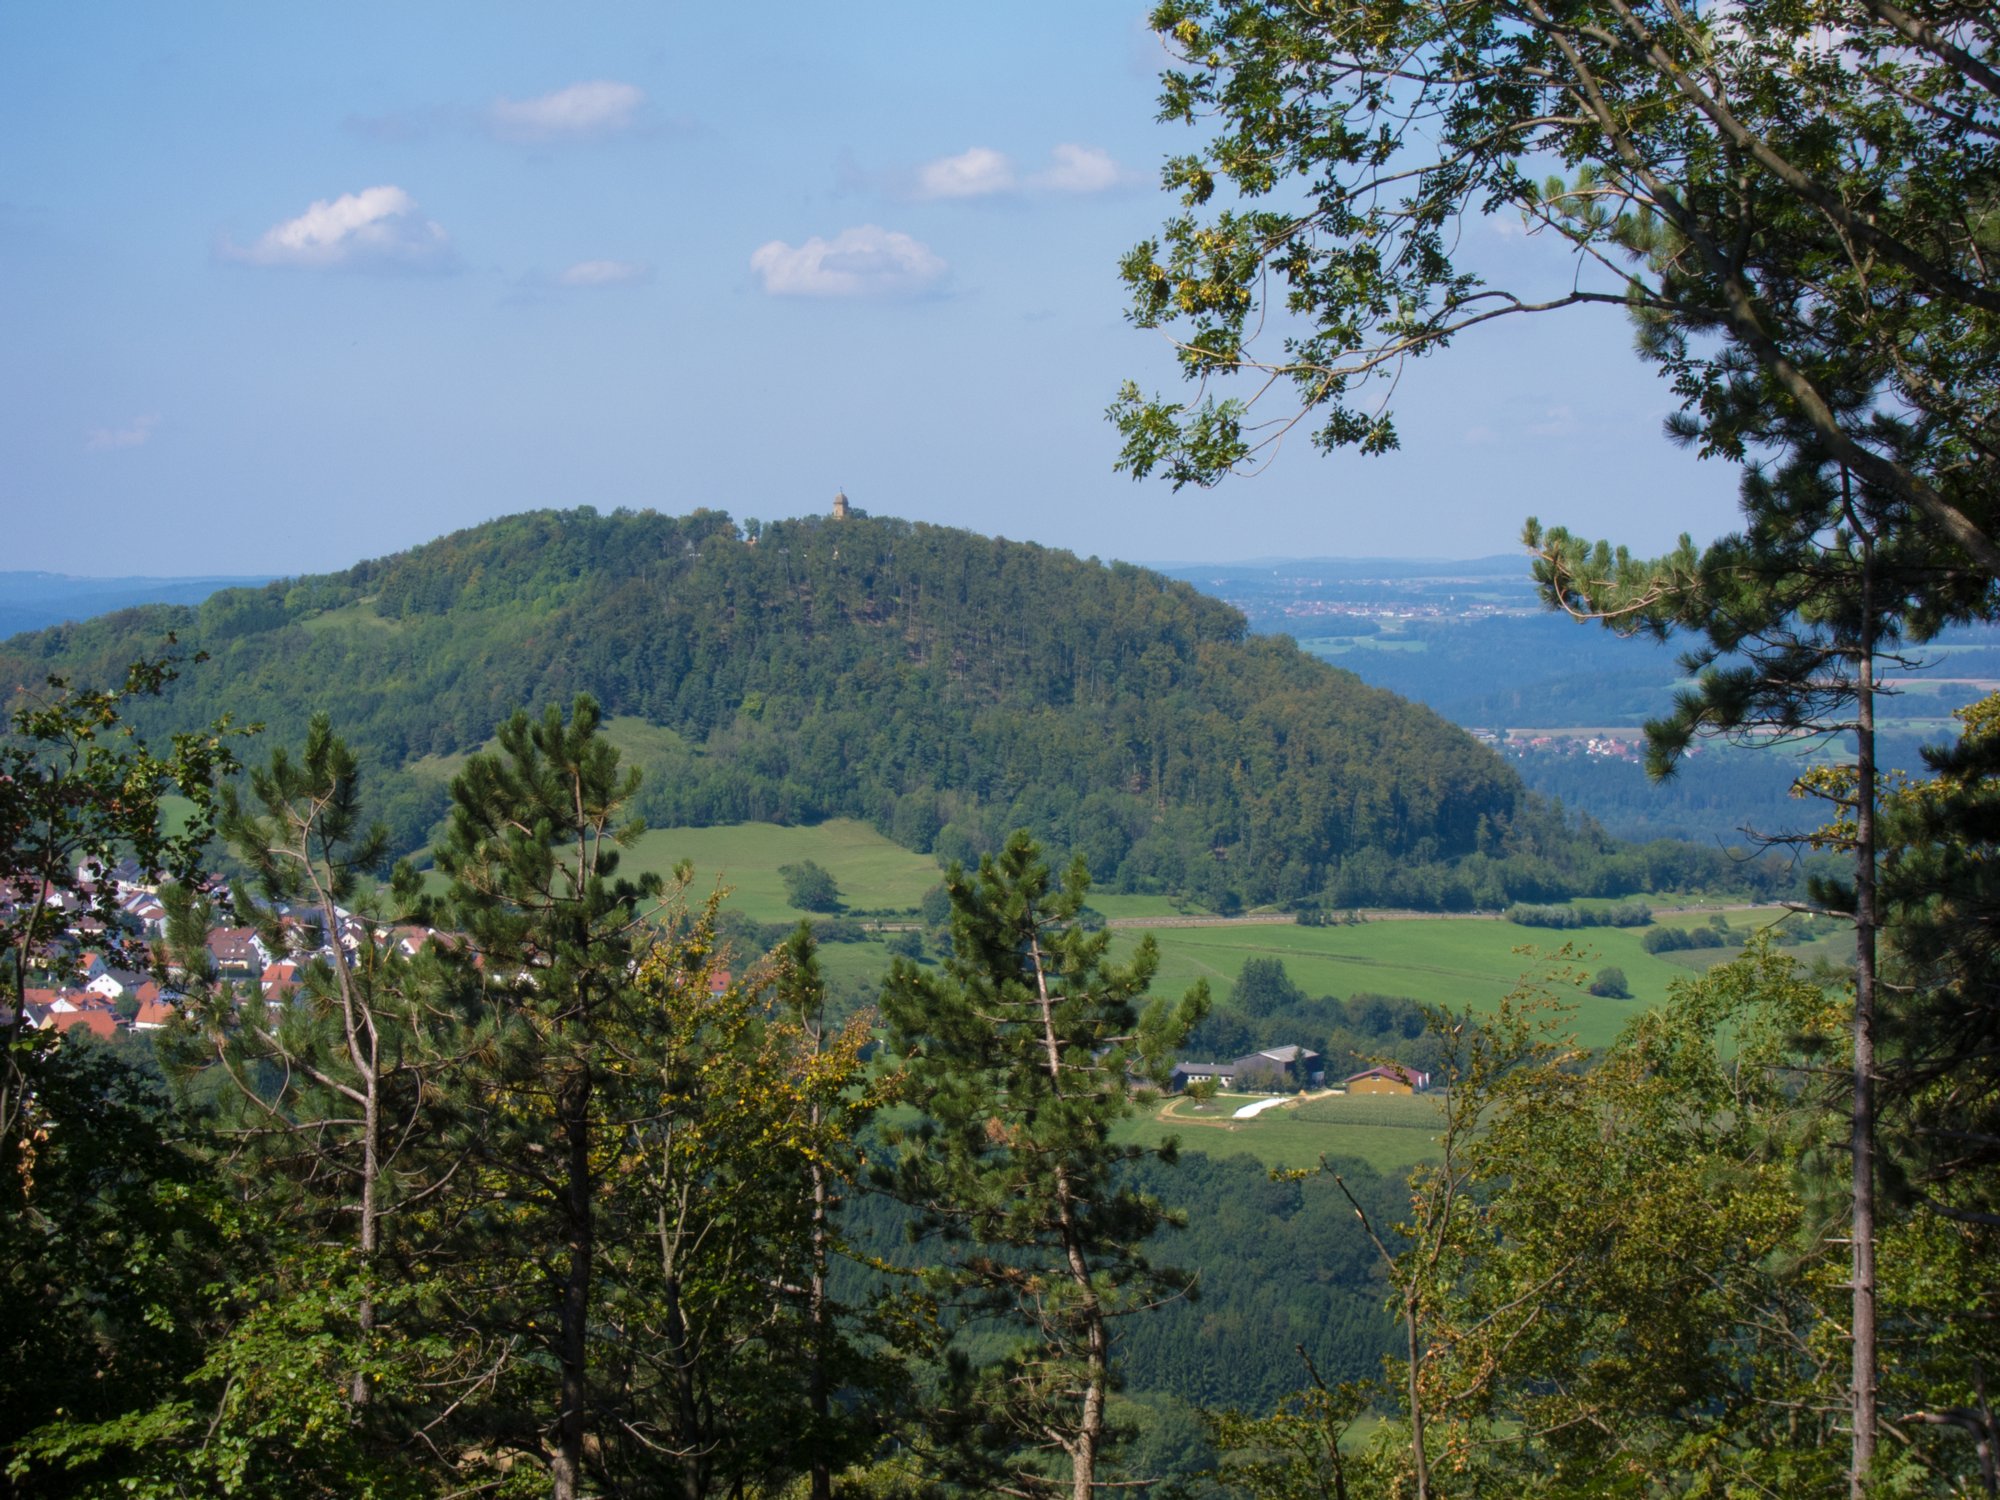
point(78, 793)
point(335, 1084)
point(1797, 199)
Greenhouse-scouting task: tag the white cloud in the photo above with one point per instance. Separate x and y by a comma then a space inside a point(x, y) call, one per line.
point(867, 261)
point(978, 173)
point(1078, 169)
point(606, 273)
point(134, 434)
point(377, 228)
point(580, 111)
point(983, 172)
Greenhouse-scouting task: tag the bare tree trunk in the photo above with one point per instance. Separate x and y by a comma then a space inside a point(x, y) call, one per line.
point(1412, 1295)
point(694, 1477)
point(1090, 1426)
point(816, 1388)
point(1089, 1439)
point(371, 1125)
point(1418, 1458)
point(567, 1469)
point(364, 1050)
point(1862, 1124)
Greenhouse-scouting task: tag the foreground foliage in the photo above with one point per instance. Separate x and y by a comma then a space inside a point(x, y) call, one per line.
point(1629, 1278)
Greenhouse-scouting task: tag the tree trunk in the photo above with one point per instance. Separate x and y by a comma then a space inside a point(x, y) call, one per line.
point(567, 1469)
point(816, 1389)
point(694, 1478)
point(1862, 1123)
point(1418, 1457)
point(371, 1125)
point(364, 1051)
point(1090, 1423)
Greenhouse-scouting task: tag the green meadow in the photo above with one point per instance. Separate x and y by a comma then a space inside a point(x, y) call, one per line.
point(1390, 1133)
point(1451, 962)
point(873, 874)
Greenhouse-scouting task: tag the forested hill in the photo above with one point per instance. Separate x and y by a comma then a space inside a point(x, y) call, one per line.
point(946, 686)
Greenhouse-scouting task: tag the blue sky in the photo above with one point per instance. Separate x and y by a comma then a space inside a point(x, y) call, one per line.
point(286, 286)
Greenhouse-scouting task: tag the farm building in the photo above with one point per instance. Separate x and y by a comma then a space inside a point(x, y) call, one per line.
point(1194, 1072)
point(1392, 1078)
point(1275, 1070)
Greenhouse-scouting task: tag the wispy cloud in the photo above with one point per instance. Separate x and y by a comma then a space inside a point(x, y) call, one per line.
point(976, 173)
point(606, 273)
point(982, 172)
point(375, 229)
point(134, 434)
point(582, 111)
point(1079, 169)
point(866, 261)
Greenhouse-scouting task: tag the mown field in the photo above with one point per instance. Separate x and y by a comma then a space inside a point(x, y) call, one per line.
point(1391, 1134)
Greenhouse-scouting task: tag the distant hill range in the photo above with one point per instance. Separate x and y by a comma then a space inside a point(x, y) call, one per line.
point(943, 685)
point(29, 601)
point(1471, 640)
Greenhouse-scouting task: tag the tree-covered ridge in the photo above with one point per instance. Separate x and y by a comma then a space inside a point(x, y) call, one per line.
point(946, 686)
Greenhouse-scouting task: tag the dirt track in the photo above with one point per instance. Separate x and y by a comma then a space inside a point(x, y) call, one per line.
point(1171, 1110)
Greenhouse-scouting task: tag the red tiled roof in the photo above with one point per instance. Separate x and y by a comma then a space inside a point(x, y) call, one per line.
point(100, 1023)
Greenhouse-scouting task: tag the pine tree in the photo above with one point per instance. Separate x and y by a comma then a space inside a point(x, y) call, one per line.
point(532, 852)
point(1796, 615)
point(1022, 1056)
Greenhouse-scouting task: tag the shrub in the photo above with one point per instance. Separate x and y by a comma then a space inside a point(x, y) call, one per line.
point(1610, 984)
point(810, 886)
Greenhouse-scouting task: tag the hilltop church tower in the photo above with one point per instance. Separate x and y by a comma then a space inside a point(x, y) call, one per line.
point(840, 505)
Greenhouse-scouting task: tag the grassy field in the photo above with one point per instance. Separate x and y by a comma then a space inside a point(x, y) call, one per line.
point(1446, 962)
point(360, 614)
point(872, 873)
point(1391, 1134)
point(1120, 907)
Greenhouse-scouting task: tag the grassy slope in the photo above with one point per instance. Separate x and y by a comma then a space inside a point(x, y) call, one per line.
point(872, 873)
